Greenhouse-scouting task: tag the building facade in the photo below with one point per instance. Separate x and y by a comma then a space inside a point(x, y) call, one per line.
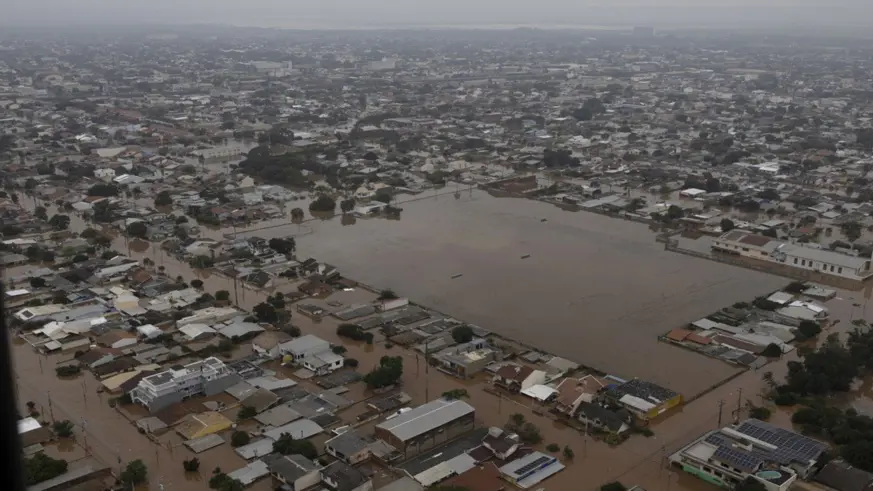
point(206, 377)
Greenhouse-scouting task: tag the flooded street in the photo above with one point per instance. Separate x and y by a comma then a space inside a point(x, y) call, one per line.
point(596, 290)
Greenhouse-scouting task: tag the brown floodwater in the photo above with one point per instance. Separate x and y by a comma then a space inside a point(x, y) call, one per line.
point(593, 289)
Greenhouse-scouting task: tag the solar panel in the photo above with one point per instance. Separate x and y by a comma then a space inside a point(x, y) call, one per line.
point(533, 465)
point(735, 458)
point(790, 446)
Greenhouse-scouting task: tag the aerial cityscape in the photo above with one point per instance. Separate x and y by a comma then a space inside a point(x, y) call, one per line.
point(446, 259)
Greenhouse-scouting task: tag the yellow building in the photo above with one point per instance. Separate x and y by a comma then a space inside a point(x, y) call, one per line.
point(199, 425)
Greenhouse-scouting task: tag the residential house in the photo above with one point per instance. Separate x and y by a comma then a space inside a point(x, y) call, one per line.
point(350, 447)
point(296, 472)
point(205, 377)
point(516, 378)
point(644, 399)
point(838, 475)
point(343, 477)
point(604, 419)
point(467, 359)
point(193, 426)
point(753, 449)
point(268, 343)
point(531, 469)
point(574, 391)
point(117, 339)
point(501, 443)
point(311, 352)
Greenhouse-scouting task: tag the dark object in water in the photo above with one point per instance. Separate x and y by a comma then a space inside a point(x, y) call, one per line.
point(544, 219)
point(525, 256)
point(457, 275)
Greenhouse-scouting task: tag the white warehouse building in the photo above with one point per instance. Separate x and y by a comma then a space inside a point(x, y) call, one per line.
point(797, 256)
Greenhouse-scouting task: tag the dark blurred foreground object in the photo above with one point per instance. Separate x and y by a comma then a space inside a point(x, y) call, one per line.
point(13, 472)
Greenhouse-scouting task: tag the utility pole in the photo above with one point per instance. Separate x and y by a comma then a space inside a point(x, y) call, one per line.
point(427, 371)
point(720, 406)
point(739, 404)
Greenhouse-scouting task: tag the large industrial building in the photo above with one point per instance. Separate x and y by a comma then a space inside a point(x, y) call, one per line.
point(427, 426)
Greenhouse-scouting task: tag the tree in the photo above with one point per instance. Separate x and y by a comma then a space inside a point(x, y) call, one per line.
point(202, 262)
point(808, 329)
point(198, 284)
point(88, 233)
point(456, 394)
point(266, 313)
point(138, 229)
point(59, 222)
point(387, 294)
point(758, 412)
point(384, 195)
point(583, 114)
point(41, 468)
point(675, 213)
point(297, 214)
point(852, 230)
point(240, 438)
point(388, 372)
point(613, 486)
point(727, 225)
point(347, 205)
point(163, 199)
point(286, 445)
point(222, 482)
point(135, 473)
point(859, 454)
point(40, 213)
point(462, 334)
point(351, 331)
point(246, 412)
point(568, 452)
point(191, 465)
point(103, 190)
point(283, 246)
point(772, 351)
point(37, 282)
point(222, 295)
point(770, 194)
point(63, 429)
point(323, 203)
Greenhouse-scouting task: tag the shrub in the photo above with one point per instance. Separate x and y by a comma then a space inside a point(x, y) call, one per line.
point(191, 465)
point(761, 413)
point(246, 412)
point(350, 362)
point(772, 351)
point(63, 429)
point(240, 438)
point(613, 486)
point(68, 370)
point(553, 447)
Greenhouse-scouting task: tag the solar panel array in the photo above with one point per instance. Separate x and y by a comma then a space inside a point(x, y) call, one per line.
point(737, 458)
point(533, 465)
point(791, 447)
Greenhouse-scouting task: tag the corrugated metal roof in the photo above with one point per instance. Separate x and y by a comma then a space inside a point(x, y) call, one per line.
point(425, 418)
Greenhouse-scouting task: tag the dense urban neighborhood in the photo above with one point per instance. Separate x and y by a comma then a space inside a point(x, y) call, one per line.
point(450, 260)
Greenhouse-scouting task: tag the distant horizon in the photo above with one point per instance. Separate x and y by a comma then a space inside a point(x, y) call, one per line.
point(394, 14)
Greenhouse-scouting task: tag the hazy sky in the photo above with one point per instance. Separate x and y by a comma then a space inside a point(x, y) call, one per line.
point(368, 13)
